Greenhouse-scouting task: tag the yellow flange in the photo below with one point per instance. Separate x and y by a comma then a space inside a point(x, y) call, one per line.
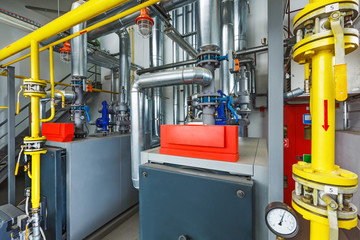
point(306, 48)
point(318, 9)
point(43, 151)
point(338, 177)
point(347, 224)
point(29, 139)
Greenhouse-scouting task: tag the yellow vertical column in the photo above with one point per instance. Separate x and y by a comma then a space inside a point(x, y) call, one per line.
point(323, 112)
point(35, 128)
point(319, 231)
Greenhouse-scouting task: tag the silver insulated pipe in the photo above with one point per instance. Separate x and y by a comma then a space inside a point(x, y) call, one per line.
point(157, 59)
point(240, 20)
point(175, 58)
point(208, 29)
point(79, 48)
point(79, 74)
point(227, 80)
point(195, 75)
point(124, 67)
point(209, 20)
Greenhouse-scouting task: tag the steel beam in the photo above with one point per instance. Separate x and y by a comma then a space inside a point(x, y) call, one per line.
point(11, 134)
point(276, 98)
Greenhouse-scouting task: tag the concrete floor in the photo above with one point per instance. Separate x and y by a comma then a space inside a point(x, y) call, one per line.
point(129, 230)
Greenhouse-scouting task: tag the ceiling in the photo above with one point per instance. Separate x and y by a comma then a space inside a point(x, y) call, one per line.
point(50, 7)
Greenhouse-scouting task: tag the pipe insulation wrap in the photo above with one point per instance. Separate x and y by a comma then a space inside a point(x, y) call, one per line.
point(209, 21)
point(78, 47)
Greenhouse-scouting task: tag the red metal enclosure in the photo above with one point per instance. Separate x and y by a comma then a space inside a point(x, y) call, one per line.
point(297, 143)
point(198, 141)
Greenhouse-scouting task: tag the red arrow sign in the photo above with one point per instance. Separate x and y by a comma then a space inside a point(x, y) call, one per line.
point(326, 120)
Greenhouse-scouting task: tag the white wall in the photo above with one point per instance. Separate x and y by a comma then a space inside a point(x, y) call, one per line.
point(9, 35)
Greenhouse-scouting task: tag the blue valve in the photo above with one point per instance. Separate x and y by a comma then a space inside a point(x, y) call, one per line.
point(104, 121)
point(223, 58)
point(225, 101)
point(86, 108)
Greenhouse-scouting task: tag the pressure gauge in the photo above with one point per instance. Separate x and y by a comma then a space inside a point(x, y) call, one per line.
point(281, 220)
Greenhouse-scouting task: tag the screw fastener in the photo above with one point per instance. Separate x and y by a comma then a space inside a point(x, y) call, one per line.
point(240, 194)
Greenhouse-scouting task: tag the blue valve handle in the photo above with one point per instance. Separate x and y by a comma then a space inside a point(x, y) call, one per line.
point(232, 109)
point(228, 99)
point(86, 108)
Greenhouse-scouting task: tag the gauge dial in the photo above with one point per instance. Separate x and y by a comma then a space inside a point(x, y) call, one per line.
point(281, 220)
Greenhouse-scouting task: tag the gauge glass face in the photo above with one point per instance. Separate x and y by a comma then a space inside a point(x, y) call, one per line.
point(281, 221)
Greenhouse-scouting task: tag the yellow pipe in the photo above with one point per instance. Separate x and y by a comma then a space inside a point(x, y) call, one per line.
point(82, 13)
point(319, 231)
point(35, 181)
point(62, 98)
point(3, 107)
point(18, 100)
point(93, 27)
point(52, 83)
point(323, 112)
point(35, 128)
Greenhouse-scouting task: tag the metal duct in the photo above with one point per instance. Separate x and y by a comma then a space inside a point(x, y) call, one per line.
point(157, 59)
point(174, 35)
point(124, 67)
point(114, 97)
point(293, 93)
point(240, 20)
point(167, 5)
point(186, 88)
point(175, 58)
point(227, 80)
point(209, 21)
point(195, 87)
point(78, 48)
point(69, 95)
point(195, 75)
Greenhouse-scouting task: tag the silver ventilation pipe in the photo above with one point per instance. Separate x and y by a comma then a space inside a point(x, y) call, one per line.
point(208, 29)
point(209, 20)
point(186, 88)
point(68, 95)
point(124, 66)
point(114, 87)
point(195, 87)
point(242, 81)
point(78, 48)
point(227, 80)
point(176, 58)
point(79, 74)
point(196, 75)
point(157, 59)
point(167, 5)
point(240, 20)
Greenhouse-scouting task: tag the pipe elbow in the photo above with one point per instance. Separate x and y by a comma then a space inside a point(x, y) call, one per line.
point(197, 75)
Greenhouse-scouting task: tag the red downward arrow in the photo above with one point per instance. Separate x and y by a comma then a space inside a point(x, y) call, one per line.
point(326, 120)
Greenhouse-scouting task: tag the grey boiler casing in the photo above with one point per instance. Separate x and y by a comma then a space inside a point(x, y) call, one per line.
point(195, 204)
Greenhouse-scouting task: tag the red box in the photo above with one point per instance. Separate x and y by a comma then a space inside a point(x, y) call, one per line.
point(58, 132)
point(197, 141)
point(296, 143)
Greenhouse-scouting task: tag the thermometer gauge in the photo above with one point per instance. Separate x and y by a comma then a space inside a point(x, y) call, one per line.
point(281, 220)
